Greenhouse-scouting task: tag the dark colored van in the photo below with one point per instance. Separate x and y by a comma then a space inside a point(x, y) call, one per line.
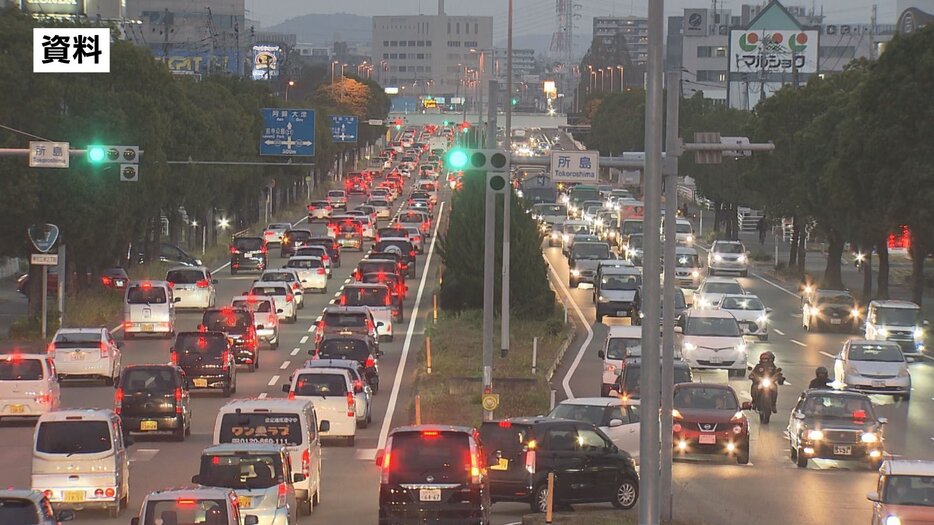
point(153, 399)
point(240, 327)
point(248, 253)
point(207, 360)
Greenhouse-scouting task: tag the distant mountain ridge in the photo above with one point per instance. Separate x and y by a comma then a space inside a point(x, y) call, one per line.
point(325, 29)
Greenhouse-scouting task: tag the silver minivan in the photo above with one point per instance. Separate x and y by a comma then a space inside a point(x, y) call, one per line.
point(80, 460)
point(149, 308)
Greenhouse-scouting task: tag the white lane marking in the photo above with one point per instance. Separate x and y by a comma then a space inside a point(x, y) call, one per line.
point(799, 343)
point(141, 455)
point(397, 381)
point(369, 454)
point(826, 354)
point(347, 281)
point(272, 381)
point(263, 395)
point(285, 364)
point(566, 382)
point(295, 351)
point(338, 294)
point(304, 339)
point(777, 331)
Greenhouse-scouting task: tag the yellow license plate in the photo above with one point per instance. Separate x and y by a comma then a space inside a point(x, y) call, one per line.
point(244, 501)
point(73, 496)
point(149, 327)
point(17, 409)
point(503, 464)
point(148, 425)
point(77, 356)
point(200, 383)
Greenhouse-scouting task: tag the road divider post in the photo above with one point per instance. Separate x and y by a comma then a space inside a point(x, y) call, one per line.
point(428, 355)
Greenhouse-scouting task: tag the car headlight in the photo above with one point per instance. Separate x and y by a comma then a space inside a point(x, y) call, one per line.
point(554, 235)
point(869, 437)
point(762, 319)
point(690, 238)
point(883, 332)
point(695, 274)
point(575, 272)
point(717, 258)
point(919, 333)
point(612, 233)
point(602, 299)
point(815, 435)
point(741, 347)
point(690, 346)
point(854, 313)
point(892, 519)
point(741, 258)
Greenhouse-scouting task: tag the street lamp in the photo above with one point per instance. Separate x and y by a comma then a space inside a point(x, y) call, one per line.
point(291, 83)
point(333, 63)
point(621, 71)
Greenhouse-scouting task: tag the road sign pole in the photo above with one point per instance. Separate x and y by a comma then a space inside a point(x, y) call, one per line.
point(649, 437)
point(61, 285)
point(45, 298)
point(672, 148)
point(489, 260)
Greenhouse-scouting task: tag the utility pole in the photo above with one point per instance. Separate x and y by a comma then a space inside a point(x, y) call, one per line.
point(649, 437)
point(670, 171)
point(507, 228)
point(489, 260)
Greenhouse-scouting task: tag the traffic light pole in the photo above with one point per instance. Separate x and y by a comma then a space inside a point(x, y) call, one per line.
point(507, 208)
point(489, 260)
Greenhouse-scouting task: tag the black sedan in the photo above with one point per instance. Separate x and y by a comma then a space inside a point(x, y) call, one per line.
point(836, 424)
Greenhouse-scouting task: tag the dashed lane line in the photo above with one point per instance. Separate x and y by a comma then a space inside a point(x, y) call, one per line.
point(263, 395)
point(295, 351)
point(799, 343)
point(272, 381)
point(304, 339)
point(285, 364)
point(777, 331)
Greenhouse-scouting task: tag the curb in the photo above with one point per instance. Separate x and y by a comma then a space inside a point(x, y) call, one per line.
point(561, 351)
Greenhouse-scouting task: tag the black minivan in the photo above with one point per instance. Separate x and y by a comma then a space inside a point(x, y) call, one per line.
point(248, 253)
point(434, 473)
point(239, 325)
point(153, 399)
point(588, 467)
point(207, 360)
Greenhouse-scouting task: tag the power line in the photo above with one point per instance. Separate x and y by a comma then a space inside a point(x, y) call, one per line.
point(26, 133)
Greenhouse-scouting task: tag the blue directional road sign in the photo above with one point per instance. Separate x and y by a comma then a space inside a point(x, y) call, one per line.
point(344, 129)
point(288, 132)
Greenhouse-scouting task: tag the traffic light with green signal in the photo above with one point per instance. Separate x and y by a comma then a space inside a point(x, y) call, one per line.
point(515, 101)
point(458, 159)
point(97, 154)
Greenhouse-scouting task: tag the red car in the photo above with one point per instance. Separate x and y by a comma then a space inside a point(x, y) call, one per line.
point(708, 419)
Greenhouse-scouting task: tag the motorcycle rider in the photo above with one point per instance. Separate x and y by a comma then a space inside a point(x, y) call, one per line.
point(821, 378)
point(766, 369)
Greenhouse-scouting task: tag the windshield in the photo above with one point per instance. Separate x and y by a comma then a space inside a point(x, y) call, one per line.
point(186, 512)
point(630, 227)
point(18, 369)
point(230, 321)
point(77, 339)
point(184, 276)
point(249, 244)
point(354, 349)
point(254, 306)
point(154, 380)
point(620, 282)
point(321, 385)
point(887, 353)
point(898, 316)
point(741, 303)
point(146, 295)
point(591, 250)
point(73, 437)
point(712, 327)
point(621, 347)
point(20, 511)
point(837, 407)
point(909, 490)
point(584, 194)
point(335, 194)
point(836, 299)
point(686, 261)
point(701, 398)
point(365, 296)
point(241, 471)
point(443, 456)
point(344, 320)
point(268, 290)
point(632, 379)
point(298, 235)
point(590, 414)
point(683, 228)
point(304, 263)
point(278, 277)
point(635, 241)
point(550, 209)
point(282, 226)
point(193, 348)
point(724, 288)
point(729, 248)
point(265, 427)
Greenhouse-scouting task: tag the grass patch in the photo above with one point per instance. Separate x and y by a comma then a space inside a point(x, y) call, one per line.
point(451, 393)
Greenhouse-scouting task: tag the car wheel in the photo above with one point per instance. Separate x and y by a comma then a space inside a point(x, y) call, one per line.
point(765, 416)
point(275, 344)
point(539, 501)
point(305, 507)
point(801, 460)
point(626, 493)
point(742, 455)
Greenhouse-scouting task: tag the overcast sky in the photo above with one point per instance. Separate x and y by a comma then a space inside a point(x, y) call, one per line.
point(537, 16)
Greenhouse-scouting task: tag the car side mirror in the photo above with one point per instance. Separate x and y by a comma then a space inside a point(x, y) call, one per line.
point(747, 405)
point(324, 426)
point(133, 521)
point(616, 423)
point(68, 515)
point(298, 477)
point(286, 387)
point(679, 330)
point(601, 354)
point(196, 479)
point(250, 519)
point(379, 457)
point(883, 420)
point(873, 496)
point(177, 300)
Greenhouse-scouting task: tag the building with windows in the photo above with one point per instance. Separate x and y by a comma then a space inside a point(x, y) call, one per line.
point(740, 59)
point(633, 30)
point(447, 56)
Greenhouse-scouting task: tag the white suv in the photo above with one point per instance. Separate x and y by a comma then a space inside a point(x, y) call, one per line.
point(712, 339)
point(86, 352)
point(727, 256)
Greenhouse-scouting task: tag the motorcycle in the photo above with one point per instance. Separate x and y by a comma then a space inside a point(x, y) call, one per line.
point(767, 395)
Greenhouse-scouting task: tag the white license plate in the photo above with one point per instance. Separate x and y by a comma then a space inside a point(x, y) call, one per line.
point(621, 312)
point(707, 439)
point(119, 282)
point(842, 450)
point(878, 383)
point(836, 321)
point(77, 356)
point(429, 495)
point(716, 360)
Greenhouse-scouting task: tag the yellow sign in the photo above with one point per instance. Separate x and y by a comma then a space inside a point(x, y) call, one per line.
point(429, 103)
point(490, 402)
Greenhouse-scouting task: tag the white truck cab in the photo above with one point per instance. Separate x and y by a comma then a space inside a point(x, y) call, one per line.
point(897, 321)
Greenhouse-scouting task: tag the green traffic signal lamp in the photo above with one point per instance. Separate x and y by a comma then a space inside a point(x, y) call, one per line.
point(96, 154)
point(515, 101)
point(456, 160)
point(398, 127)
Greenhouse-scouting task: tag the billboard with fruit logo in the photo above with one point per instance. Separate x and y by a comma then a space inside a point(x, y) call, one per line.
point(773, 51)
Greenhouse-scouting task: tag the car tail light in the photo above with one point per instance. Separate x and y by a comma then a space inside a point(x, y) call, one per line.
point(306, 464)
point(429, 434)
point(292, 394)
point(186, 502)
point(173, 356)
point(320, 271)
point(273, 319)
point(412, 253)
point(110, 492)
point(325, 257)
point(51, 348)
point(357, 384)
point(47, 493)
point(328, 207)
point(233, 249)
point(171, 285)
point(178, 400)
point(350, 404)
point(106, 281)
point(416, 238)
point(203, 283)
point(104, 351)
point(226, 358)
point(343, 300)
point(44, 399)
point(99, 493)
point(388, 299)
point(370, 362)
point(283, 493)
point(264, 249)
point(288, 298)
point(118, 400)
point(474, 466)
point(384, 468)
point(369, 325)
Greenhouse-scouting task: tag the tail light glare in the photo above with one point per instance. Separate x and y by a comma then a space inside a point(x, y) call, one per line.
point(370, 362)
point(306, 463)
point(350, 404)
point(178, 400)
point(288, 298)
point(292, 394)
point(106, 281)
point(44, 399)
point(51, 348)
point(388, 299)
point(234, 250)
point(530, 459)
point(226, 358)
point(118, 400)
point(412, 253)
point(343, 300)
point(203, 283)
point(320, 271)
point(283, 493)
point(173, 356)
point(474, 466)
point(105, 352)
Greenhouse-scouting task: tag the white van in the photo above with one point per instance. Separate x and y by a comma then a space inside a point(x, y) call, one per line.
point(28, 386)
point(80, 461)
point(897, 321)
point(289, 422)
point(621, 342)
point(149, 308)
point(332, 392)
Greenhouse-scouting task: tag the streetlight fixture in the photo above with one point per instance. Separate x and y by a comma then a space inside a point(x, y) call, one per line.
point(333, 63)
point(289, 84)
point(621, 71)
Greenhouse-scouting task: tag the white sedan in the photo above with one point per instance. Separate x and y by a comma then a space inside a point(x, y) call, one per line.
point(874, 367)
point(618, 419)
point(750, 313)
point(86, 353)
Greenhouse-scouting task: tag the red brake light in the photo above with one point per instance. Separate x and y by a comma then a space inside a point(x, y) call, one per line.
point(173, 356)
point(325, 257)
point(178, 400)
point(233, 249)
point(388, 299)
point(226, 358)
point(118, 400)
point(186, 502)
point(320, 271)
point(343, 300)
point(203, 283)
point(146, 285)
point(505, 424)
point(859, 414)
point(292, 395)
point(288, 298)
point(106, 281)
point(306, 462)
point(370, 362)
point(430, 433)
point(104, 351)
point(350, 404)
point(51, 348)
